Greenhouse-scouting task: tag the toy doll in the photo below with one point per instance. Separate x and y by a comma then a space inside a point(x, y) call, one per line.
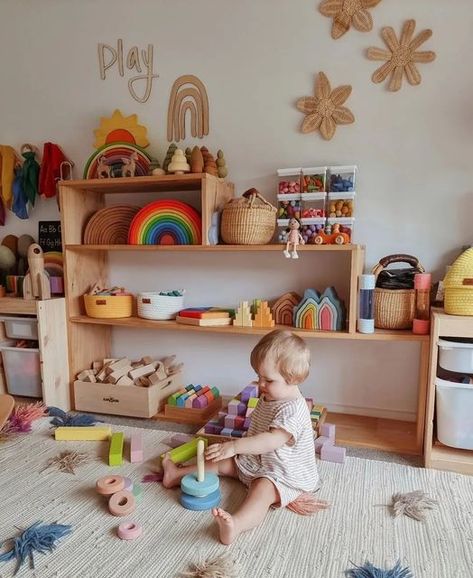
point(294, 238)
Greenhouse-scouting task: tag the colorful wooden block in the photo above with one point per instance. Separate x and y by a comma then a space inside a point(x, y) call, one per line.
point(253, 402)
point(181, 400)
point(246, 424)
point(237, 433)
point(331, 453)
point(185, 452)
point(200, 401)
point(189, 387)
point(229, 421)
point(172, 399)
point(190, 400)
point(249, 392)
point(115, 453)
point(328, 430)
point(239, 422)
point(83, 434)
point(136, 448)
point(216, 392)
point(320, 442)
point(226, 431)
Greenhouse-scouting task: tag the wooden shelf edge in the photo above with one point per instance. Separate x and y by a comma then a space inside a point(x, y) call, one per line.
point(213, 248)
point(451, 459)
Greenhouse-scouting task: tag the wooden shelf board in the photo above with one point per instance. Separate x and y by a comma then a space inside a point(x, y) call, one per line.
point(211, 248)
point(148, 184)
point(452, 459)
point(139, 323)
point(375, 433)
point(17, 306)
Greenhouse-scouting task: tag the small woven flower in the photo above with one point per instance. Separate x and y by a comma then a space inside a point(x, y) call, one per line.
point(348, 12)
point(324, 110)
point(401, 55)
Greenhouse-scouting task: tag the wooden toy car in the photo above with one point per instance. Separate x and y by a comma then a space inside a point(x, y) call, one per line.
point(334, 238)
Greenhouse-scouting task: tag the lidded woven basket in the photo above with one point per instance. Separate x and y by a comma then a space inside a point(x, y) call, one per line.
point(248, 220)
point(458, 284)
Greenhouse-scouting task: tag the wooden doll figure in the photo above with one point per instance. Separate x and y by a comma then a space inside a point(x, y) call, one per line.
point(294, 238)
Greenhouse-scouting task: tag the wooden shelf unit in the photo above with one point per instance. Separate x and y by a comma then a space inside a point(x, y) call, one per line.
point(90, 339)
point(437, 455)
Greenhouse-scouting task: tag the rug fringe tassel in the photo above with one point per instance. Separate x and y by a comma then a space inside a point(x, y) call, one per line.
point(307, 504)
point(222, 567)
point(369, 571)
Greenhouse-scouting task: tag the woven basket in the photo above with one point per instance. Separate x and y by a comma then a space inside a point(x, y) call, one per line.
point(248, 220)
point(108, 306)
point(155, 306)
point(458, 286)
point(394, 308)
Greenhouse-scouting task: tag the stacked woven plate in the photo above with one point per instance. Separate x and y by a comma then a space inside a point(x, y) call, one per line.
point(110, 225)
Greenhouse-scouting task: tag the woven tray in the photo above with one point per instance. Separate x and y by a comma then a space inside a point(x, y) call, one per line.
point(110, 225)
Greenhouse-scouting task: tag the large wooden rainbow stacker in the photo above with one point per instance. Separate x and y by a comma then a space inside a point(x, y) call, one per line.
point(200, 490)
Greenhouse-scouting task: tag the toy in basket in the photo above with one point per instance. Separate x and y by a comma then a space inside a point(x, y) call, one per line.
point(162, 305)
point(113, 303)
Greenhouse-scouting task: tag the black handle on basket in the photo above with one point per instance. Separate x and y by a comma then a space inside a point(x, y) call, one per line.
point(397, 258)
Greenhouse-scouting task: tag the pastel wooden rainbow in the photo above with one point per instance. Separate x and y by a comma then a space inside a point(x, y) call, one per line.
point(166, 222)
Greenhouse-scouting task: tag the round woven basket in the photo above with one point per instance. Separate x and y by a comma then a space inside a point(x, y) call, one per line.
point(154, 306)
point(458, 284)
point(248, 220)
point(108, 306)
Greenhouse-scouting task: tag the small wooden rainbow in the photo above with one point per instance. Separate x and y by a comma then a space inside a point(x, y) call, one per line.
point(166, 222)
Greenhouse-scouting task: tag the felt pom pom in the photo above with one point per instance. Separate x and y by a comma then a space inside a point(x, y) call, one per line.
point(369, 571)
point(307, 504)
point(413, 504)
point(63, 419)
point(37, 538)
point(221, 567)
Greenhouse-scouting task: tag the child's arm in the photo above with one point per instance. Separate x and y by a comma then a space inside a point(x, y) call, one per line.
point(258, 444)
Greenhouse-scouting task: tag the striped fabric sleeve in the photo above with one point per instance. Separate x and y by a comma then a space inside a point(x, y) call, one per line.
point(288, 419)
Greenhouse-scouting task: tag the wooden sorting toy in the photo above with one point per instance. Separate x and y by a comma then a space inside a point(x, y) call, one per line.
point(109, 485)
point(115, 454)
point(136, 448)
point(200, 491)
point(129, 531)
point(84, 434)
point(122, 503)
point(185, 452)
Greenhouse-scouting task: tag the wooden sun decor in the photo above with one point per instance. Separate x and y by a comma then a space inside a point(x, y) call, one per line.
point(283, 308)
point(188, 94)
point(324, 110)
point(119, 128)
point(401, 56)
point(324, 312)
point(348, 12)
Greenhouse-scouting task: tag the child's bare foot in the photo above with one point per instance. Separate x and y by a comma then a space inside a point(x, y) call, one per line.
point(226, 526)
point(172, 474)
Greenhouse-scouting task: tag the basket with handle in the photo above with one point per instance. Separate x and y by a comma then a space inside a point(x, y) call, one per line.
point(248, 220)
point(395, 308)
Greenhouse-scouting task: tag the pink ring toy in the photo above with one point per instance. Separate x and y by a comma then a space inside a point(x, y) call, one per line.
point(129, 531)
point(109, 485)
point(122, 503)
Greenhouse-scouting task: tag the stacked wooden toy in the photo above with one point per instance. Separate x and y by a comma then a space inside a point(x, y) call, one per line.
point(235, 421)
point(194, 396)
point(200, 490)
point(325, 445)
point(318, 414)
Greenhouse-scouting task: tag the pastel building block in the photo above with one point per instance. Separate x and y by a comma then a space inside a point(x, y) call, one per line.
point(172, 399)
point(209, 395)
point(189, 387)
point(136, 448)
point(204, 389)
point(330, 453)
point(115, 454)
point(197, 388)
point(83, 434)
point(233, 406)
point(328, 430)
point(249, 411)
point(216, 392)
point(249, 392)
point(239, 422)
point(237, 433)
point(181, 400)
point(229, 421)
point(213, 428)
point(200, 402)
point(320, 442)
point(185, 452)
point(253, 402)
point(190, 400)
point(226, 431)
point(318, 408)
point(247, 423)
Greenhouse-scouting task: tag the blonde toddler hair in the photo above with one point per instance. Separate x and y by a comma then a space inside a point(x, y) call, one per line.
point(287, 351)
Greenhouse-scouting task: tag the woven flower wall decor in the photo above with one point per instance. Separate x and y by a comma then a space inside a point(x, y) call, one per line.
point(348, 12)
point(324, 110)
point(401, 56)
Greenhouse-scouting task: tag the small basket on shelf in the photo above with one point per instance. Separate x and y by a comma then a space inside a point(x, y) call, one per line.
point(108, 306)
point(248, 220)
point(458, 285)
point(394, 295)
point(160, 306)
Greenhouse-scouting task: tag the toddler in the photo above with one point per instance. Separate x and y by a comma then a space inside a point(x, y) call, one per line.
point(276, 459)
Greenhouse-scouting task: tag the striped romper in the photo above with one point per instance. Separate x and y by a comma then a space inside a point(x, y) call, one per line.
point(291, 468)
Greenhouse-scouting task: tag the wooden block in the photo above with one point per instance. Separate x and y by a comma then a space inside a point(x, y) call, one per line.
point(185, 452)
point(144, 381)
point(89, 379)
point(83, 374)
point(123, 362)
point(146, 360)
point(190, 400)
point(115, 454)
point(97, 365)
point(85, 434)
point(253, 402)
point(154, 378)
point(119, 373)
point(320, 442)
point(101, 375)
point(144, 370)
point(159, 369)
point(331, 453)
point(193, 415)
point(124, 380)
point(109, 360)
point(136, 448)
point(328, 430)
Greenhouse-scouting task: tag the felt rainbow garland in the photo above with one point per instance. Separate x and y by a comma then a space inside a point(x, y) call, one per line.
point(166, 222)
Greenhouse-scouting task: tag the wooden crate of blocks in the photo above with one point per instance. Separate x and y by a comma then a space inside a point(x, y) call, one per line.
point(193, 404)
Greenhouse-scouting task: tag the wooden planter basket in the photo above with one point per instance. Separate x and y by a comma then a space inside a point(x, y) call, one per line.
point(248, 220)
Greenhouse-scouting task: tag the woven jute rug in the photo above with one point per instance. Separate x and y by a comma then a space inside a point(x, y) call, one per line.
point(357, 527)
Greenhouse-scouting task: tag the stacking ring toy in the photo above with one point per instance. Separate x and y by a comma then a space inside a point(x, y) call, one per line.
point(122, 503)
point(129, 531)
point(190, 485)
point(198, 504)
point(110, 485)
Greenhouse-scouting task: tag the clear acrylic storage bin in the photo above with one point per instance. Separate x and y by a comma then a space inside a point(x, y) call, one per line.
point(283, 231)
point(340, 205)
point(21, 327)
point(22, 371)
point(313, 206)
point(342, 179)
point(289, 181)
point(340, 230)
point(289, 206)
point(311, 228)
point(313, 180)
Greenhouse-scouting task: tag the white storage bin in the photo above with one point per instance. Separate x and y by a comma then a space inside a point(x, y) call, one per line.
point(456, 355)
point(22, 371)
point(156, 306)
point(21, 327)
point(454, 414)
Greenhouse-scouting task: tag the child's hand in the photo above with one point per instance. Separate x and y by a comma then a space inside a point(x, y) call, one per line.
point(218, 452)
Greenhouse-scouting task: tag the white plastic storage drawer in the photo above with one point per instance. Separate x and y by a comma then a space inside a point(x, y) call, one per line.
point(21, 327)
point(22, 371)
point(454, 414)
point(456, 355)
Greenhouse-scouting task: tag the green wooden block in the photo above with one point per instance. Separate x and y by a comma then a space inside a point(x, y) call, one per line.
point(253, 402)
point(115, 454)
point(216, 392)
point(185, 452)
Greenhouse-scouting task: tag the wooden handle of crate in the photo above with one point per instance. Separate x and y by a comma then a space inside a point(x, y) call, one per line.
point(397, 258)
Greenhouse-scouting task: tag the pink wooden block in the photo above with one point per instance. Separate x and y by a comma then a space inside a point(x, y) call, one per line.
point(331, 453)
point(200, 402)
point(246, 425)
point(136, 448)
point(230, 421)
point(190, 400)
point(239, 422)
point(328, 430)
point(320, 442)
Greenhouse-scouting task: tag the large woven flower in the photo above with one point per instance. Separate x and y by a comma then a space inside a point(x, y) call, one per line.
point(401, 56)
point(324, 110)
point(348, 12)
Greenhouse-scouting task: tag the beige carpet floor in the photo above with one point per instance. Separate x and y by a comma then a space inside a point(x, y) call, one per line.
point(357, 527)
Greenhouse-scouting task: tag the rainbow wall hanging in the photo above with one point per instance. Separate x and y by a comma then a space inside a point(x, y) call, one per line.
point(166, 222)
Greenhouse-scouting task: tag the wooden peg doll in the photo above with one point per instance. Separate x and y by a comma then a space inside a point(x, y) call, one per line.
point(294, 239)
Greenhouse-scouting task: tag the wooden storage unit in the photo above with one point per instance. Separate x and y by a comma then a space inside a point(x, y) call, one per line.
point(437, 455)
point(90, 338)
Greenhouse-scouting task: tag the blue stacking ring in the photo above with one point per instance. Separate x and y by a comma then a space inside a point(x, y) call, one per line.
point(190, 485)
point(198, 504)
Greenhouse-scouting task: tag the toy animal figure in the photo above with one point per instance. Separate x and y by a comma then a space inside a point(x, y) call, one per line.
point(294, 239)
point(36, 283)
point(129, 165)
point(103, 170)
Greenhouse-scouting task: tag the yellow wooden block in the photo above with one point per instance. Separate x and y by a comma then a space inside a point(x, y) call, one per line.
point(83, 434)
